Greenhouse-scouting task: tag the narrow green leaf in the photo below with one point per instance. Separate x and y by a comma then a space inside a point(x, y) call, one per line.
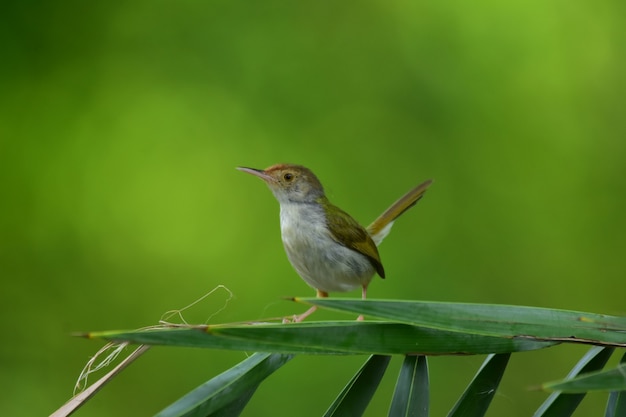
point(490, 319)
point(227, 393)
point(560, 404)
point(607, 380)
point(616, 404)
point(356, 395)
point(478, 395)
point(236, 407)
point(411, 396)
point(342, 337)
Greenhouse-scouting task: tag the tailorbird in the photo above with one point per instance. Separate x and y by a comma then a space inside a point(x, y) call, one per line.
point(328, 248)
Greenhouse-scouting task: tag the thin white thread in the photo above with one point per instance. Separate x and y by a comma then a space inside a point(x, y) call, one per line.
point(93, 365)
point(169, 314)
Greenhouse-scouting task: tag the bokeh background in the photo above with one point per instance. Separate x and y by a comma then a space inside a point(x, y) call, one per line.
point(121, 124)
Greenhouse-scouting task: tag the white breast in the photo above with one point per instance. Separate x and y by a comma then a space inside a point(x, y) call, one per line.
point(322, 262)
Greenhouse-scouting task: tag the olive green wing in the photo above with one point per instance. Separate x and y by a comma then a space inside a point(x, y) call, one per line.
point(348, 232)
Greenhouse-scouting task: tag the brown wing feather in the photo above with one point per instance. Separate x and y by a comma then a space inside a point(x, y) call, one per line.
point(348, 232)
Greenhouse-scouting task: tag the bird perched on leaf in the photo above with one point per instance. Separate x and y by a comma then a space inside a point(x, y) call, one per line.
point(330, 250)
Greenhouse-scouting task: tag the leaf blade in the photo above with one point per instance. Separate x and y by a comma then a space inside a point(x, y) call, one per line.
point(356, 395)
point(411, 396)
point(328, 338)
point(490, 319)
point(616, 404)
point(228, 391)
point(478, 395)
point(608, 380)
point(563, 404)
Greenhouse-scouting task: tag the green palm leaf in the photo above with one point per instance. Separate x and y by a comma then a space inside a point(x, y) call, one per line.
point(490, 319)
point(328, 338)
point(411, 396)
point(478, 395)
point(356, 395)
point(616, 405)
point(563, 404)
point(228, 393)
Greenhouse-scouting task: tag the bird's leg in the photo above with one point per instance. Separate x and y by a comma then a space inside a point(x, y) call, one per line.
point(299, 318)
point(363, 297)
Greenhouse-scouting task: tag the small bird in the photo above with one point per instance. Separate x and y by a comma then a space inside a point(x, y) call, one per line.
point(328, 248)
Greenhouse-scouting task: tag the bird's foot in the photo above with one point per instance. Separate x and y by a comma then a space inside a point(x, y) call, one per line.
point(297, 318)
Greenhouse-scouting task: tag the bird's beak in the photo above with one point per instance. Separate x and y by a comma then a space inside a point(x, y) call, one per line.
point(257, 173)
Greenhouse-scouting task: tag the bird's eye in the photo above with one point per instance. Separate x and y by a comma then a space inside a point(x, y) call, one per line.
point(288, 176)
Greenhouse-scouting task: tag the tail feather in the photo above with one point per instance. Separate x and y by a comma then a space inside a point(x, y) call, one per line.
point(381, 227)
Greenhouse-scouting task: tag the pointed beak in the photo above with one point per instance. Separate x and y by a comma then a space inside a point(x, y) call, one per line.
point(257, 173)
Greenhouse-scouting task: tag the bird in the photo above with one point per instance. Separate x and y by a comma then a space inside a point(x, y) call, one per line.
point(328, 248)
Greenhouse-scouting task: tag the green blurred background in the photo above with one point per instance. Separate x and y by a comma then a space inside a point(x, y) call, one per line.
point(121, 124)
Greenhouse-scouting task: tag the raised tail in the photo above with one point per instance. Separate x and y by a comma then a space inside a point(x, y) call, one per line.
point(381, 227)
